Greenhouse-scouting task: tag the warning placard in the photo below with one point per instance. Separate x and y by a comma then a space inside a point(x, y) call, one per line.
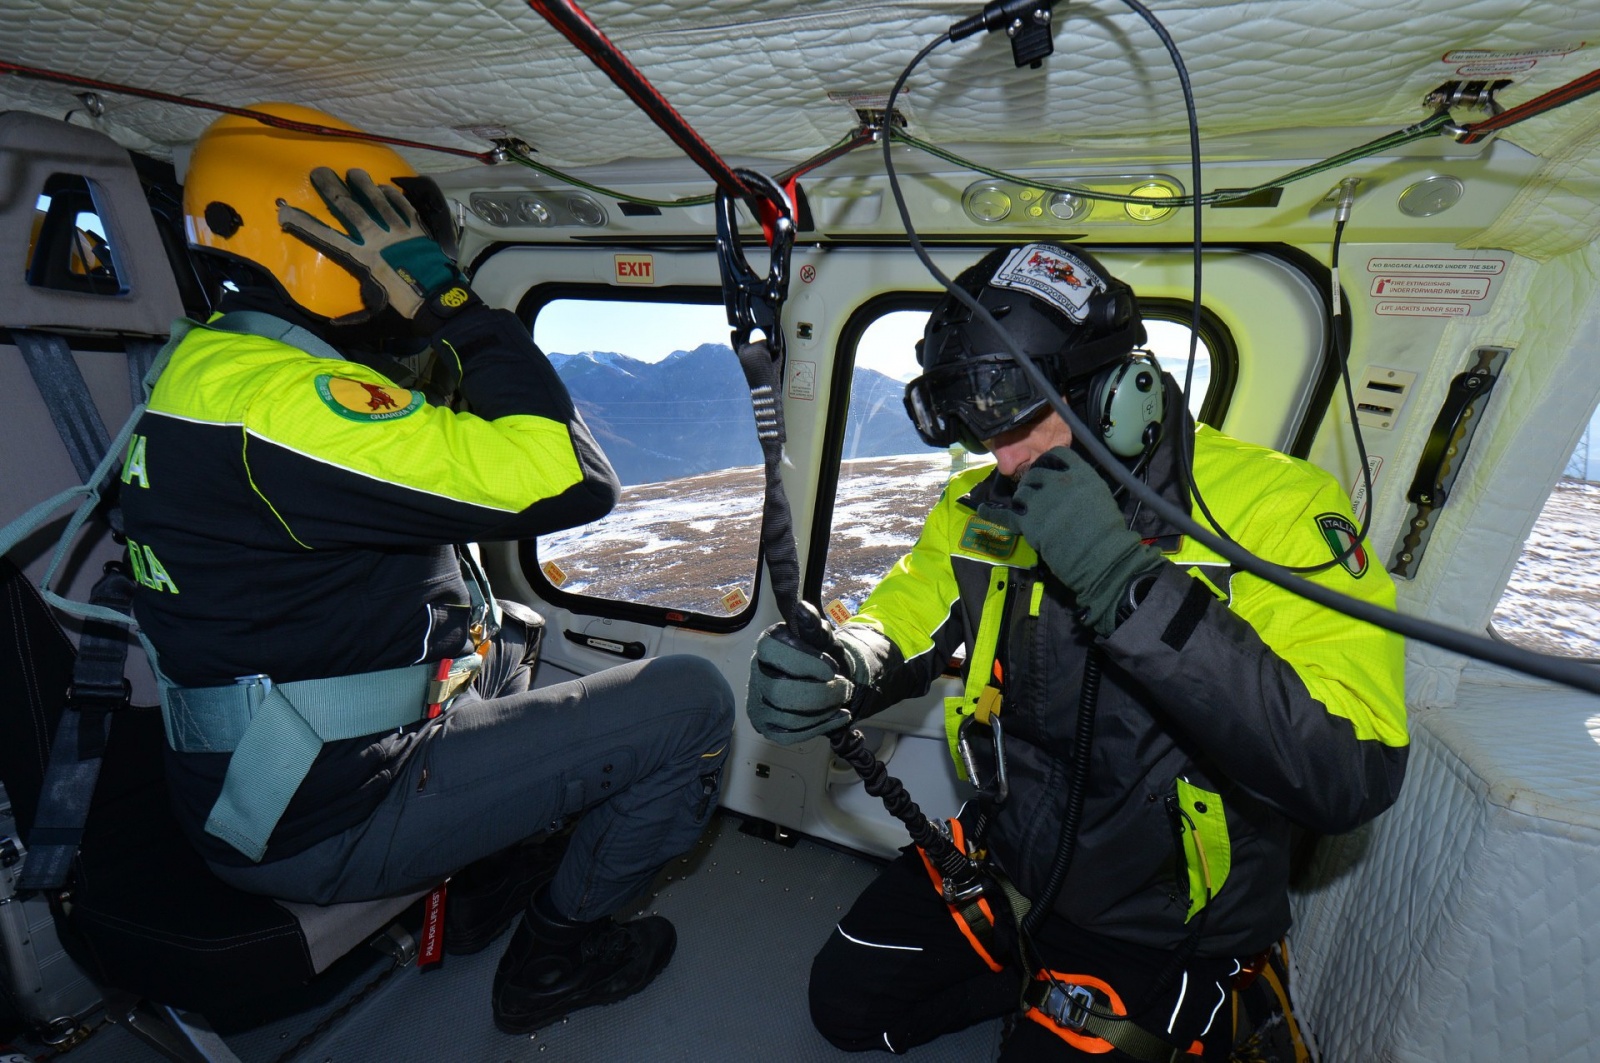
point(1392, 308)
point(1403, 287)
point(1475, 267)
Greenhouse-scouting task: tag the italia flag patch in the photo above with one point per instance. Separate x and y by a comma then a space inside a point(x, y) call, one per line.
point(358, 400)
point(1343, 541)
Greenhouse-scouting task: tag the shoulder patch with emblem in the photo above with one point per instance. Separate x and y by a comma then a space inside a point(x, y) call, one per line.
point(358, 400)
point(988, 538)
point(1343, 541)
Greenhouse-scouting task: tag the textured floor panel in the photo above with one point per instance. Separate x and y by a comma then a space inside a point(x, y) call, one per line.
point(750, 914)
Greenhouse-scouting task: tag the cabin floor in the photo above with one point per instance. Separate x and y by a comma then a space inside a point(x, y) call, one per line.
point(750, 914)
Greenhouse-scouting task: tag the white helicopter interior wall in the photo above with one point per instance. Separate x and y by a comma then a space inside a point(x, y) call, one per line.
point(1463, 924)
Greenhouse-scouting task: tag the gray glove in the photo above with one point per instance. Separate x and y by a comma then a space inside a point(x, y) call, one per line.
point(385, 247)
point(795, 694)
point(1065, 510)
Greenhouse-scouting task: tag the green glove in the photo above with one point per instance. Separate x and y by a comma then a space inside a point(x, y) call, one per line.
point(1065, 510)
point(794, 693)
point(385, 247)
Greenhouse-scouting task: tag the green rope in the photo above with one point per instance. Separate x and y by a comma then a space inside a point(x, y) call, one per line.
point(1421, 130)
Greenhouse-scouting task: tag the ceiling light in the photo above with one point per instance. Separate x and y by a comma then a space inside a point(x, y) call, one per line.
point(987, 202)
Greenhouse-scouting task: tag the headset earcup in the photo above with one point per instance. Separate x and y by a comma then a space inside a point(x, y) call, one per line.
point(1125, 400)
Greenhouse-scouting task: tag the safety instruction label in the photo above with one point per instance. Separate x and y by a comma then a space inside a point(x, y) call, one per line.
point(1395, 308)
point(1493, 62)
point(802, 381)
point(1476, 267)
point(1403, 287)
point(1358, 493)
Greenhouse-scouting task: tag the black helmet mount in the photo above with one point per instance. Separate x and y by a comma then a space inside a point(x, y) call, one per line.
point(1063, 309)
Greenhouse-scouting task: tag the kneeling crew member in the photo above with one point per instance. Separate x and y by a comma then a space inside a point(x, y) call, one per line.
point(1216, 714)
point(348, 707)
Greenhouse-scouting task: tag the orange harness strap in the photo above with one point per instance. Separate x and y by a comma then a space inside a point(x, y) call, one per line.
point(1081, 1000)
point(974, 920)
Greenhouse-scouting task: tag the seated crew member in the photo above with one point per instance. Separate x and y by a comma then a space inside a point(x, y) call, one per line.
point(291, 512)
point(1227, 712)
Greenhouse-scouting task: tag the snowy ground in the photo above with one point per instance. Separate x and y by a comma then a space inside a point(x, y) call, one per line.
point(691, 544)
point(1552, 603)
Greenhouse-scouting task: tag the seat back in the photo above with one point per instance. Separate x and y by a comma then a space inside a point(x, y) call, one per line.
point(80, 258)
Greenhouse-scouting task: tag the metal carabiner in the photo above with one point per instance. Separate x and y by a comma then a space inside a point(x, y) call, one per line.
point(997, 788)
point(752, 301)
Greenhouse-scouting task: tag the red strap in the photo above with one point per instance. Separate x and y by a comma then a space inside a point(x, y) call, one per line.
point(431, 953)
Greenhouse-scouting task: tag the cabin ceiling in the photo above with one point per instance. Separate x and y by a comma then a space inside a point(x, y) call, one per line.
point(1276, 79)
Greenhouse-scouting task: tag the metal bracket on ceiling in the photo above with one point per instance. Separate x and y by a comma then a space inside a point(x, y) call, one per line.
point(1466, 95)
point(870, 111)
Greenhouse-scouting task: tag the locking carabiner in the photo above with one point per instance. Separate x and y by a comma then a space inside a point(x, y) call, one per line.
point(752, 301)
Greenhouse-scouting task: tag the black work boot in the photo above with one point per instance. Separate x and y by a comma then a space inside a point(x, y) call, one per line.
point(485, 896)
point(554, 966)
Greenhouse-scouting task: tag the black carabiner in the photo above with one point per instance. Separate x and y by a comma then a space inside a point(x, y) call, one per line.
point(755, 302)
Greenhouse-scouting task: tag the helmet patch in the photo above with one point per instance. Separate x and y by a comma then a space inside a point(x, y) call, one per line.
point(1051, 274)
point(1343, 541)
point(357, 400)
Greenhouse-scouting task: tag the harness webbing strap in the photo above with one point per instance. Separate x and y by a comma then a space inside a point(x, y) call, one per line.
point(272, 327)
point(1071, 1007)
point(275, 731)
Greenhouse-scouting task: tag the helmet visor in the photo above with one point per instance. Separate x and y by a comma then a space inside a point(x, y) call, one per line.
point(971, 400)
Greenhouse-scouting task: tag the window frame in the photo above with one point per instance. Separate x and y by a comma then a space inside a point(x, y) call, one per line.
point(1213, 331)
point(532, 302)
point(49, 268)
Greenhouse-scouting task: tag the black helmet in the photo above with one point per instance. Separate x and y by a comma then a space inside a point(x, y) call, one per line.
point(1055, 302)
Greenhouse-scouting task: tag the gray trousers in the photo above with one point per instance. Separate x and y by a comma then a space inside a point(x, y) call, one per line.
point(637, 750)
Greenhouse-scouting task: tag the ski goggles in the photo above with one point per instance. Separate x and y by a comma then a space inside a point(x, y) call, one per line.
point(972, 400)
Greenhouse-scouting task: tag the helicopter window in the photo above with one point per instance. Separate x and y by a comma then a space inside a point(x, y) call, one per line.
point(664, 395)
point(888, 478)
point(1552, 602)
point(69, 248)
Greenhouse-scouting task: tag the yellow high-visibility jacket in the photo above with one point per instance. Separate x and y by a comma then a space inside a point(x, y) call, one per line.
point(294, 514)
point(1230, 711)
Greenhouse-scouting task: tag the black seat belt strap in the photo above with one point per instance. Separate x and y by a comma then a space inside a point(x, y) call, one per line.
point(99, 685)
point(66, 396)
point(98, 689)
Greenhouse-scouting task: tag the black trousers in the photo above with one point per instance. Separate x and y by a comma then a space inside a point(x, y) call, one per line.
point(897, 972)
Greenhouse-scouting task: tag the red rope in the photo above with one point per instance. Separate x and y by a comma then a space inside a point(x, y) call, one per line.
point(1572, 90)
point(576, 27)
point(40, 74)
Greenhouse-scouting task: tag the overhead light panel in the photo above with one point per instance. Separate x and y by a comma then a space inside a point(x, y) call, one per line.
point(1014, 205)
point(539, 210)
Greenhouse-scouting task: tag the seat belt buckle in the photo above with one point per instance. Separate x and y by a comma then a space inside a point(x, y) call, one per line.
point(93, 697)
point(1069, 1005)
point(449, 677)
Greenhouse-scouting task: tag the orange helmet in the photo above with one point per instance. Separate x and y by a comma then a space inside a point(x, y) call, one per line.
point(241, 168)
